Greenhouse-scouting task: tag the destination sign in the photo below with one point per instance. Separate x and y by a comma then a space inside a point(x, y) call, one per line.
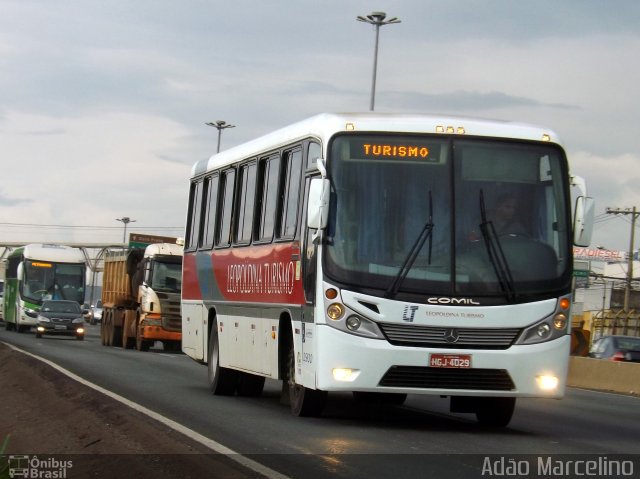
point(382, 150)
point(41, 265)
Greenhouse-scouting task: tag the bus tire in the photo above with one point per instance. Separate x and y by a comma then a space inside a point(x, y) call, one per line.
point(222, 381)
point(304, 402)
point(250, 384)
point(495, 412)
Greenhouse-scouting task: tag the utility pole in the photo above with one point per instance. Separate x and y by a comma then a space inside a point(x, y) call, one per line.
point(627, 290)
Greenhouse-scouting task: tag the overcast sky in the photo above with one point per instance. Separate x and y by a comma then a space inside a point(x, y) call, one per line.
point(103, 103)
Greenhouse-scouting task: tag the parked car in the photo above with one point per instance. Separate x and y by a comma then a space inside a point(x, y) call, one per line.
point(617, 348)
point(60, 317)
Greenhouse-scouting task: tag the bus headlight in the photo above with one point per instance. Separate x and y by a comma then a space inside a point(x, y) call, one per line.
point(552, 327)
point(335, 311)
point(545, 330)
point(353, 323)
point(358, 325)
point(560, 321)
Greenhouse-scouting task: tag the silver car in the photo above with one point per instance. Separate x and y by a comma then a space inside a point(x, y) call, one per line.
point(96, 313)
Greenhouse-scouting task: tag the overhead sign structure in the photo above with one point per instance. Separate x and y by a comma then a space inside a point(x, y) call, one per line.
point(137, 240)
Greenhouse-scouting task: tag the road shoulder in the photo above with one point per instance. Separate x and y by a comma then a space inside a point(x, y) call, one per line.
point(44, 412)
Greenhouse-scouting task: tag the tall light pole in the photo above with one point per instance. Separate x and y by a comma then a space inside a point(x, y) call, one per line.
point(125, 220)
point(377, 19)
point(220, 125)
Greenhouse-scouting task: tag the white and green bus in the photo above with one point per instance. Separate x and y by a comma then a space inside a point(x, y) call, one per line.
point(37, 272)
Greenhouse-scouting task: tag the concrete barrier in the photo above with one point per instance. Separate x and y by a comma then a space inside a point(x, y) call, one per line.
point(604, 375)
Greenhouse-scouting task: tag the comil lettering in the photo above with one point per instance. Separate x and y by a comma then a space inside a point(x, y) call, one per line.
point(399, 151)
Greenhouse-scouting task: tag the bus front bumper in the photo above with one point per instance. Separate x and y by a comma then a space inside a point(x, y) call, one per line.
point(352, 363)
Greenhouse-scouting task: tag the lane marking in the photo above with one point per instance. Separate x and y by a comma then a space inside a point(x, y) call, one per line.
point(190, 433)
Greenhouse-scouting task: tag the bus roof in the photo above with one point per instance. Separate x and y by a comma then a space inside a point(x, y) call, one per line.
point(324, 125)
point(51, 252)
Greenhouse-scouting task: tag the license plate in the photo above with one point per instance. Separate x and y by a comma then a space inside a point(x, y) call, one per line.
point(60, 327)
point(460, 361)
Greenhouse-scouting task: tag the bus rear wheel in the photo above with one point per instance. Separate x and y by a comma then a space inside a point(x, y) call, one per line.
point(304, 402)
point(222, 381)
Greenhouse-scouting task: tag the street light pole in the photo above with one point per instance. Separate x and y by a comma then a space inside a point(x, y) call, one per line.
point(220, 125)
point(125, 220)
point(377, 19)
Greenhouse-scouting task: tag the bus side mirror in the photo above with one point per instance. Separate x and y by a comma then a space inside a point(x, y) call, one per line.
point(583, 220)
point(318, 205)
point(20, 272)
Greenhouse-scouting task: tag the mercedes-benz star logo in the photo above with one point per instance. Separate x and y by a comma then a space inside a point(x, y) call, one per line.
point(451, 335)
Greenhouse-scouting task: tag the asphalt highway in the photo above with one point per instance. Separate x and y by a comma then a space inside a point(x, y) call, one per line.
point(349, 440)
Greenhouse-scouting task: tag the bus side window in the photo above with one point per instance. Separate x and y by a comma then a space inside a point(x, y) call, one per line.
point(226, 208)
point(211, 208)
point(269, 169)
point(246, 200)
point(195, 204)
point(291, 171)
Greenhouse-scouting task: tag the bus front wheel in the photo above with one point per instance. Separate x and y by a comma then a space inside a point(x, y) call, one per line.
point(222, 381)
point(495, 412)
point(304, 402)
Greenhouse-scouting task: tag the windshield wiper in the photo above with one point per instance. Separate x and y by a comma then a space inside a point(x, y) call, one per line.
point(425, 234)
point(495, 252)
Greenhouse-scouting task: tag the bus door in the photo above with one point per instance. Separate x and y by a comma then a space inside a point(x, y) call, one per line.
point(309, 258)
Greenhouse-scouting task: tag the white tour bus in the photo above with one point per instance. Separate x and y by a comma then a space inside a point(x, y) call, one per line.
point(385, 255)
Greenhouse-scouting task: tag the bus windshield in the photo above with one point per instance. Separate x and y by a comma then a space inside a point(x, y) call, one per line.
point(450, 216)
point(48, 280)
